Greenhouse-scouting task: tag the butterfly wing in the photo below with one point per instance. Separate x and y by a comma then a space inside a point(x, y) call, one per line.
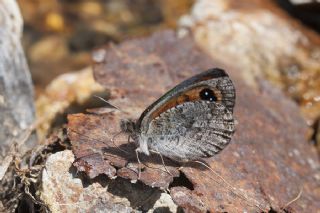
point(193, 120)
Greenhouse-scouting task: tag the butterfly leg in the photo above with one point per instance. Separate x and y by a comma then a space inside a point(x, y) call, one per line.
point(164, 165)
point(139, 162)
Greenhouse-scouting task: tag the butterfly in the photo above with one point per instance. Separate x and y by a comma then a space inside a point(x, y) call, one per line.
point(193, 120)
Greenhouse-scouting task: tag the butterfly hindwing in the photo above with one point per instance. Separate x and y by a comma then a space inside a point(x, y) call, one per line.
point(191, 131)
point(193, 120)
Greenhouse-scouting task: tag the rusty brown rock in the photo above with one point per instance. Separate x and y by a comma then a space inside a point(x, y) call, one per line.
point(266, 165)
point(62, 189)
point(88, 165)
point(91, 137)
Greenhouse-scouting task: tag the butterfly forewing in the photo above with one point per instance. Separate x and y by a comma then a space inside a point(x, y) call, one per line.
point(193, 120)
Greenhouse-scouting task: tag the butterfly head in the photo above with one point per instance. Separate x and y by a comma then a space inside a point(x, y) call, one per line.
point(128, 126)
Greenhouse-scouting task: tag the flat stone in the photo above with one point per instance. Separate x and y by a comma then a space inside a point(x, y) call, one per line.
point(266, 165)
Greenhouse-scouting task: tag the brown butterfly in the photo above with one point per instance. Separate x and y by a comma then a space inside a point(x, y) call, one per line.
point(191, 121)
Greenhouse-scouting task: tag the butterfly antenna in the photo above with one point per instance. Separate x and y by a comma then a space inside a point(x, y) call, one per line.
point(94, 139)
point(231, 188)
point(104, 100)
point(88, 137)
point(113, 141)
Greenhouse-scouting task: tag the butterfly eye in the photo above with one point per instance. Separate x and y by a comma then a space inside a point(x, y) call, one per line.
point(208, 95)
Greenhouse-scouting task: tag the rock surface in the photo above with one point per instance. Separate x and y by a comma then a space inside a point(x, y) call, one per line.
point(261, 40)
point(17, 112)
point(68, 92)
point(63, 191)
point(265, 166)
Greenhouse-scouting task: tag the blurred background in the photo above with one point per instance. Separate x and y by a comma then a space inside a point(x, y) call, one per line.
point(66, 31)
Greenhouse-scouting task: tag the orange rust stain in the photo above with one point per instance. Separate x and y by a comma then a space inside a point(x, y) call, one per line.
point(190, 95)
